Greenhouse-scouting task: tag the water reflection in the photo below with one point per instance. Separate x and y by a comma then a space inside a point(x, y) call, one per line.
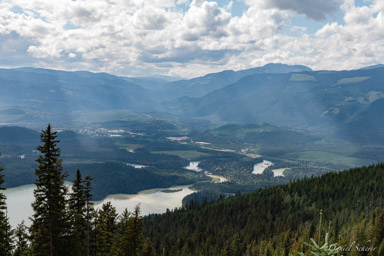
point(19, 200)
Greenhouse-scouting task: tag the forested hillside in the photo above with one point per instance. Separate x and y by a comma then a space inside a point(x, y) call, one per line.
point(278, 220)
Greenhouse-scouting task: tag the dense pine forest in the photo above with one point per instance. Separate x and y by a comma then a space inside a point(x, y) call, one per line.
point(279, 220)
point(343, 210)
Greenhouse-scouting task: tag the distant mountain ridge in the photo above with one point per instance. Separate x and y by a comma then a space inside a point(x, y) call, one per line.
point(281, 95)
point(31, 95)
point(51, 95)
point(374, 66)
point(200, 86)
point(320, 100)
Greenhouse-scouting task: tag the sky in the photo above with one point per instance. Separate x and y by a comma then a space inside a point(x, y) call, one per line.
point(189, 38)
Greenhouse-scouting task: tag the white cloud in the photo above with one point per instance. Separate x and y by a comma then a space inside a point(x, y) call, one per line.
point(136, 37)
point(205, 19)
point(150, 18)
point(360, 41)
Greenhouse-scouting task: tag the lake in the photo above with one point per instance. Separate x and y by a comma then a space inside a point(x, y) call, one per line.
point(19, 200)
point(151, 200)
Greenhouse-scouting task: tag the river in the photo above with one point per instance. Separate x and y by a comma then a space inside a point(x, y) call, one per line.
point(260, 167)
point(194, 166)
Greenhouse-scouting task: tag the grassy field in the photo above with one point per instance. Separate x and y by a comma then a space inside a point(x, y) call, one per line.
point(302, 77)
point(186, 154)
point(128, 147)
point(327, 157)
point(352, 80)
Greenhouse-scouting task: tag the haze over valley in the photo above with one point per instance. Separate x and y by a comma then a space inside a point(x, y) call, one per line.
point(309, 122)
point(191, 127)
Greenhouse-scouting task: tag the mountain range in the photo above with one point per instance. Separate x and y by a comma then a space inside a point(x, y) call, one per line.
point(344, 102)
point(198, 87)
point(309, 100)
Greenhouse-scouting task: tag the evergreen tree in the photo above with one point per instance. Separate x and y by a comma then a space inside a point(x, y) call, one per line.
point(81, 215)
point(78, 218)
point(5, 228)
point(130, 241)
point(124, 220)
point(122, 226)
point(89, 214)
point(21, 240)
point(236, 246)
point(105, 229)
point(148, 249)
point(133, 234)
point(377, 233)
point(49, 230)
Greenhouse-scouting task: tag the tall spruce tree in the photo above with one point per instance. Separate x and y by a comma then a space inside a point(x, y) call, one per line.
point(81, 214)
point(133, 234)
point(89, 214)
point(49, 229)
point(105, 229)
point(130, 241)
point(77, 210)
point(148, 249)
point(122, 226)
point(5, 228)
point(21, 240)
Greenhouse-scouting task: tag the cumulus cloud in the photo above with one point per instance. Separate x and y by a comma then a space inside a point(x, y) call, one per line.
point(356, 43)
point(150, 18)
point(205, 19)
point(137, 37)
point(314, 9)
